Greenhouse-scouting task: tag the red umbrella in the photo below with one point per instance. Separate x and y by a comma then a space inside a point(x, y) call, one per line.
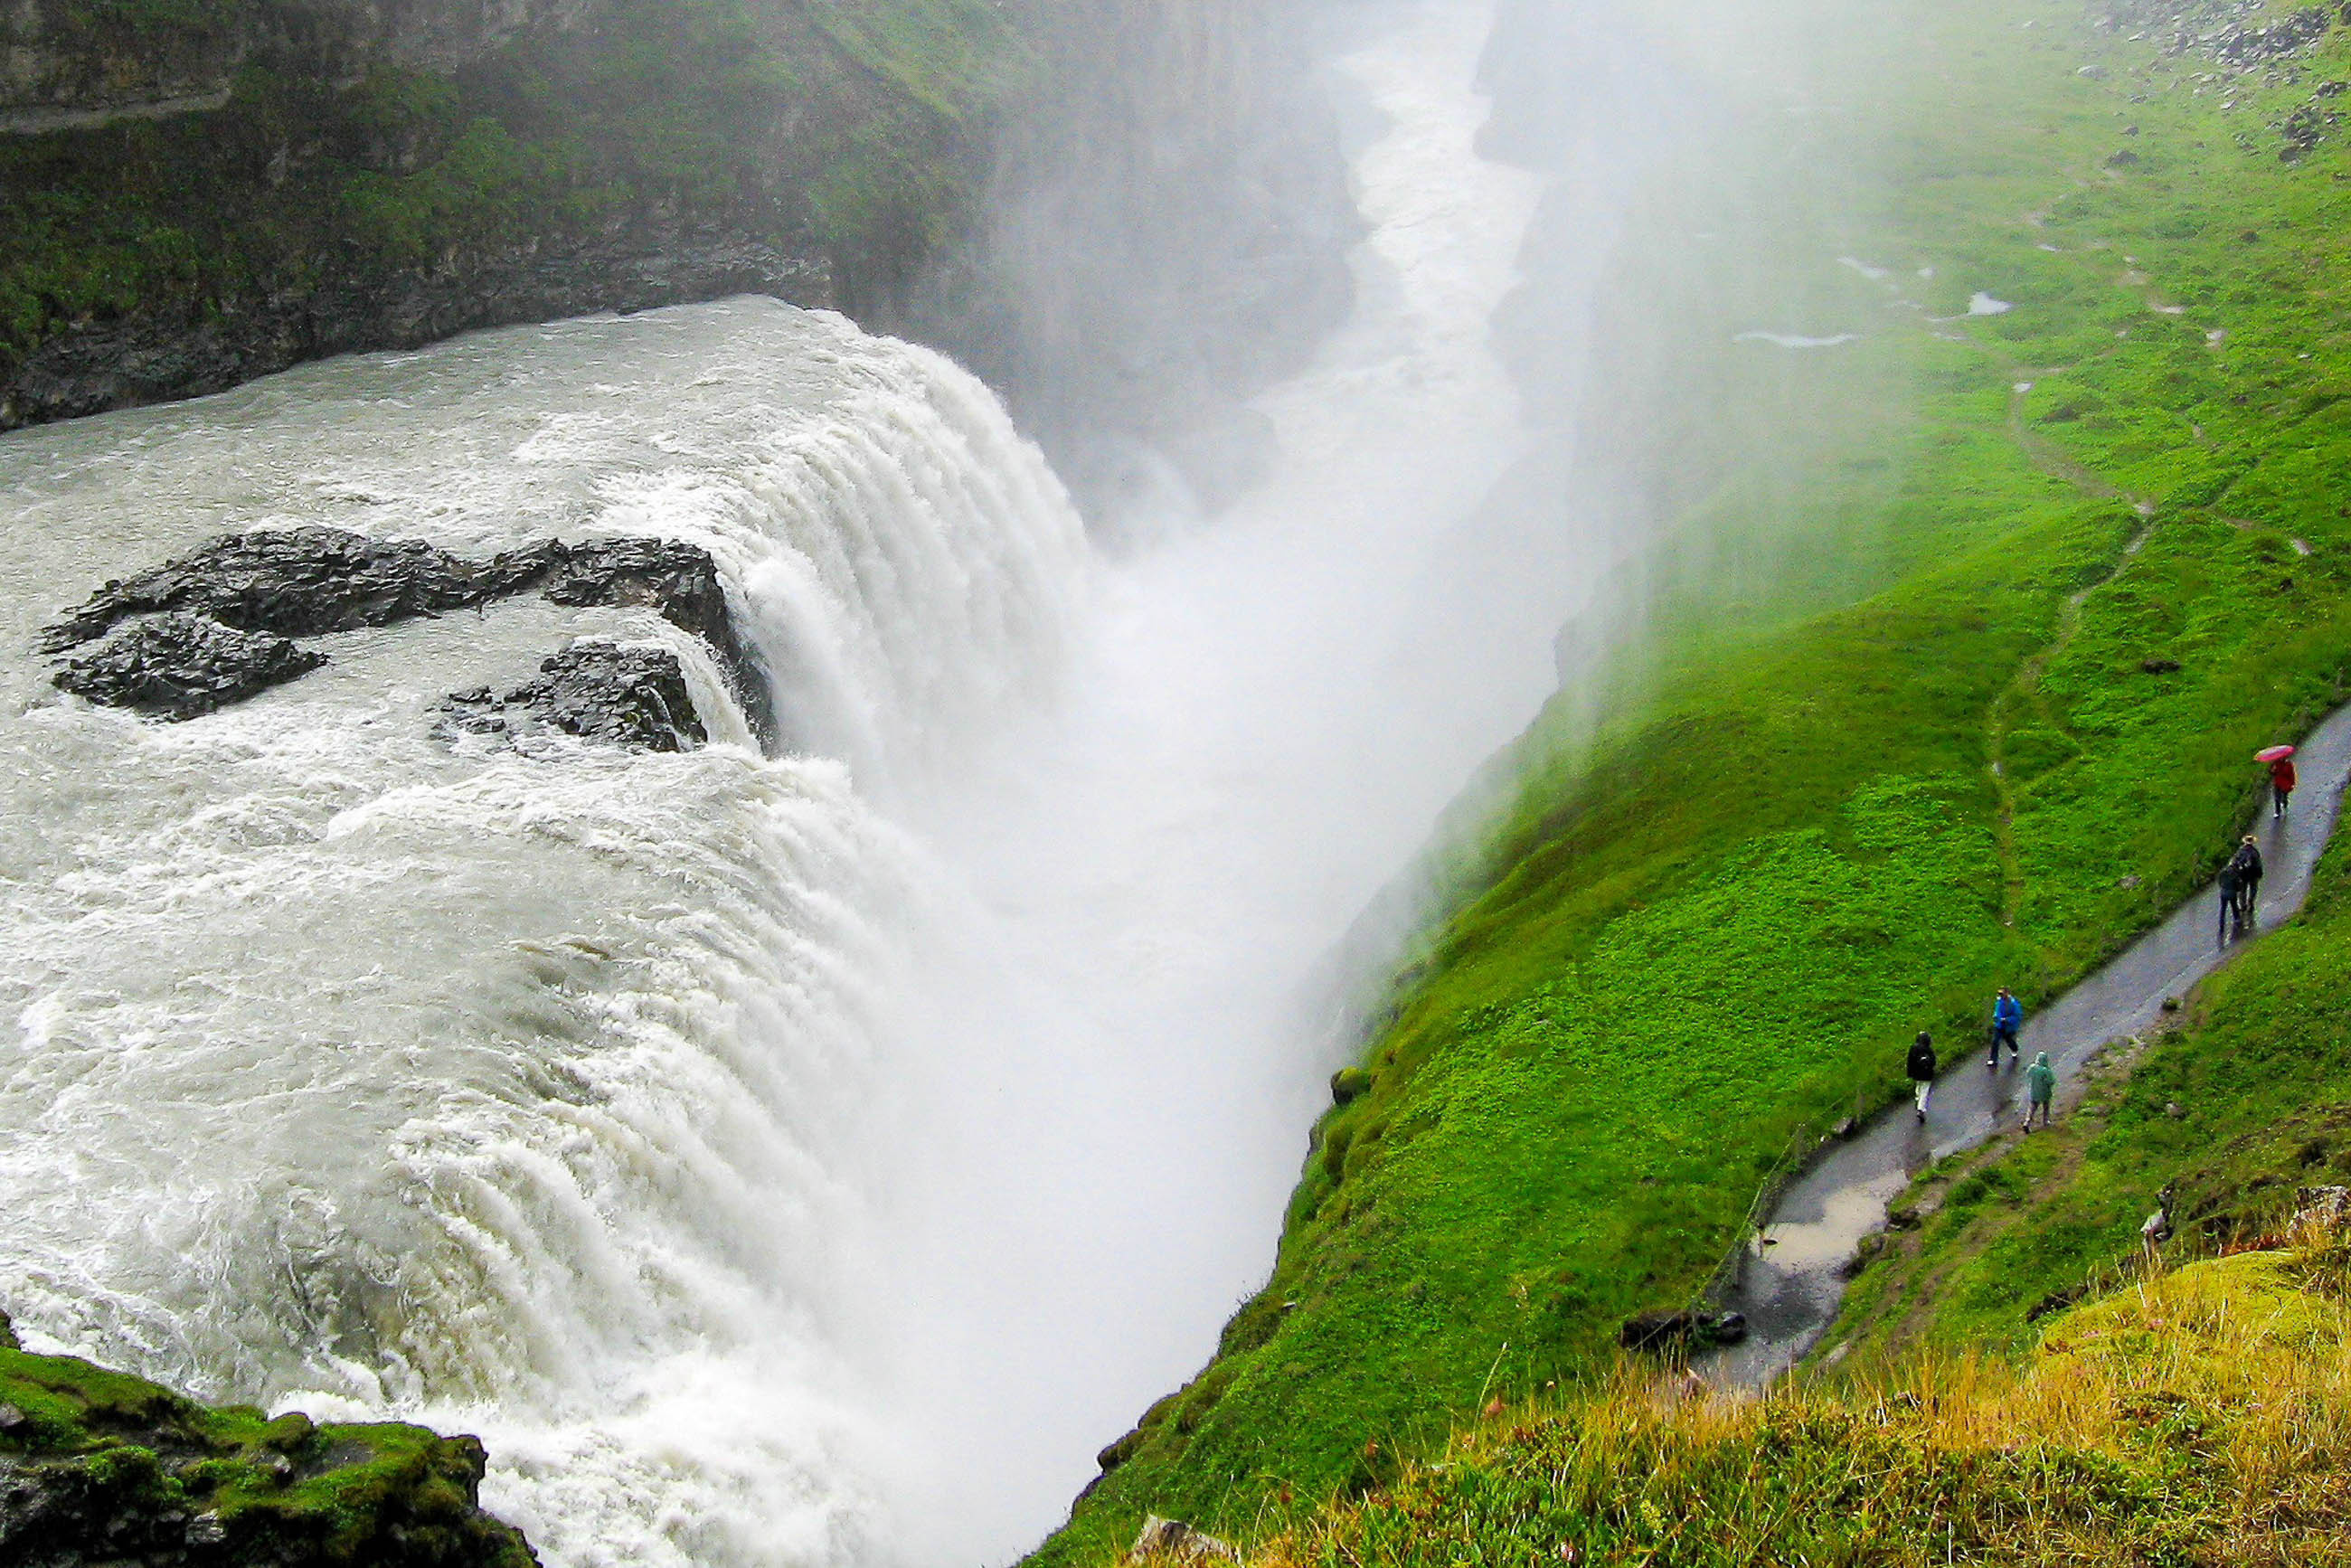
point(2274, 754)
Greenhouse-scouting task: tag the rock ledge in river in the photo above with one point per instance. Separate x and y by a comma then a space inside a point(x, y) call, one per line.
point(182, 666)
point(312, 582)
point(632, 697)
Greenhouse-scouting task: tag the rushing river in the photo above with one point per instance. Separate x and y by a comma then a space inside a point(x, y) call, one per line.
point(778, 1161)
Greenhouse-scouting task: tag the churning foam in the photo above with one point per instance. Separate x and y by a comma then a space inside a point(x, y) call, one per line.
point(358, 1072)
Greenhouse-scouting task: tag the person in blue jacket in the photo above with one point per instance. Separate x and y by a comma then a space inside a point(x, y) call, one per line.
point(2007, 1017)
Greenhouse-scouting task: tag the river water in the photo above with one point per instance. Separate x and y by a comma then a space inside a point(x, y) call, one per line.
point(779, 1161)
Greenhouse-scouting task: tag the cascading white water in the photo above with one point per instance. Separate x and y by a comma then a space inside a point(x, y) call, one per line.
point(779, 1162)
point(357, 1070)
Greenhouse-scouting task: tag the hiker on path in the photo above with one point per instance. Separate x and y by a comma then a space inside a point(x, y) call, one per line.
point(1922, 1069)
point(2247, 864)
point(2007, 1017)
point(2231, 909)
point(2040, 1090)
point(2282, 782)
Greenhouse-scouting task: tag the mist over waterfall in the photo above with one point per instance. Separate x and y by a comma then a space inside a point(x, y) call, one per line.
point(777, 1160)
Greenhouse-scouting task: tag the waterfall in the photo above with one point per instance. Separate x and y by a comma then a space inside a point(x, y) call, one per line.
point(779, 1161)
point(364, 1072)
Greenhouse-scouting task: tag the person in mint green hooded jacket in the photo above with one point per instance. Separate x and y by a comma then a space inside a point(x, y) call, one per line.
point(2040, 1090)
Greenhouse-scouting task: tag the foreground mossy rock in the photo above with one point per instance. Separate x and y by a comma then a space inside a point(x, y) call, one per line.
point(100, 1467)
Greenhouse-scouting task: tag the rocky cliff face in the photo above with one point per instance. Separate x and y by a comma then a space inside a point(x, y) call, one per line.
point(197, 191)
point(78, 63)
point(1128, 216)
point(1166, 234)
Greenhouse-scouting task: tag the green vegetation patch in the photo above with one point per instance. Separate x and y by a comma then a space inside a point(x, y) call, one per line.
point(1949, 682)
point(93, 1455)
point(2192, 1421)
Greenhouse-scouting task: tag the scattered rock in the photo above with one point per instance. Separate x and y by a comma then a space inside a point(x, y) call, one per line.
point(2159, 666)
point(1349, 1084)
point(631, 697)
point(678, 581)
point(2328, 1206)
point(2171, 1004)
point(1170, 1540)
point(182, 666)
point(2122, 160)
point(2128, 882)
point(2173, 1109)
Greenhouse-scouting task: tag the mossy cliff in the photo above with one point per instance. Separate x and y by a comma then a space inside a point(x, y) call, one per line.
point(193, 194)
point(97, 1467)
point(1975, 423)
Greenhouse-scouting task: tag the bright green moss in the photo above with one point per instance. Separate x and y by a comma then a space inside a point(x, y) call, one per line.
point(1889, 738)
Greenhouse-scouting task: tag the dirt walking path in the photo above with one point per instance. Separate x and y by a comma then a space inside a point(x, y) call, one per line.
point(1792, 1280)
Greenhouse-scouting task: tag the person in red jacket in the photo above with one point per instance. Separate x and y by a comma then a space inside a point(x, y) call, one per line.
point(2282, 782)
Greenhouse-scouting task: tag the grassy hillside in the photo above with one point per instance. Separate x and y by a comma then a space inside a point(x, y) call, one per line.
point(2246, 1101)
point(1905, 724)
point(2195, 1419)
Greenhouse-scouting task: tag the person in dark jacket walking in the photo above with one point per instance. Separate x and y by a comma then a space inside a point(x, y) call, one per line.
point(1922, 1069)
point(2233, 913)
point(2248, 864)
point(2282, 783)
point(2007, 1017)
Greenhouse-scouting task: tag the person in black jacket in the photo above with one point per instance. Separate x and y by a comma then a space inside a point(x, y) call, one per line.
point(2247, 864)
point(1922, 1069)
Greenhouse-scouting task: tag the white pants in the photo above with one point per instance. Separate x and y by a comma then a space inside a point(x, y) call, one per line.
point(1925, 1088)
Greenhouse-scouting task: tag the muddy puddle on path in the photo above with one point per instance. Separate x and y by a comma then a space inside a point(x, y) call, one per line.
point(1792, 1280)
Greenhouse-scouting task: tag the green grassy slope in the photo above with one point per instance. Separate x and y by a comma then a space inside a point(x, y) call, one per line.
point(1788, 830)
point(2195, 1420)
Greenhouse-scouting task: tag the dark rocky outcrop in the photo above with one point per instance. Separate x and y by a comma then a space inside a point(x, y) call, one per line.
point(98, 363)
point(680, 580)
point(270, 584)
point(631, 697)
point(99, 1469)
point(184, 667)
point(295, 582)
point(1668, 1333)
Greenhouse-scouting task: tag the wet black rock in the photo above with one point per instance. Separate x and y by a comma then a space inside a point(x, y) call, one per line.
point(182, 666)
point(295, 582)
point(311, 581)
point(678, 581)
point(632, 697)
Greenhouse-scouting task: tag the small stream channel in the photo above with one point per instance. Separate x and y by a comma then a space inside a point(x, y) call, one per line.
point(1792, 1279)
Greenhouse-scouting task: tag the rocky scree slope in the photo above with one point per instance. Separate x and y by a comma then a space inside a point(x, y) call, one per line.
point(101, 1468)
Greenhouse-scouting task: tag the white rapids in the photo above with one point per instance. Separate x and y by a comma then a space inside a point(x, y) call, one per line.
point(779, 1162)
